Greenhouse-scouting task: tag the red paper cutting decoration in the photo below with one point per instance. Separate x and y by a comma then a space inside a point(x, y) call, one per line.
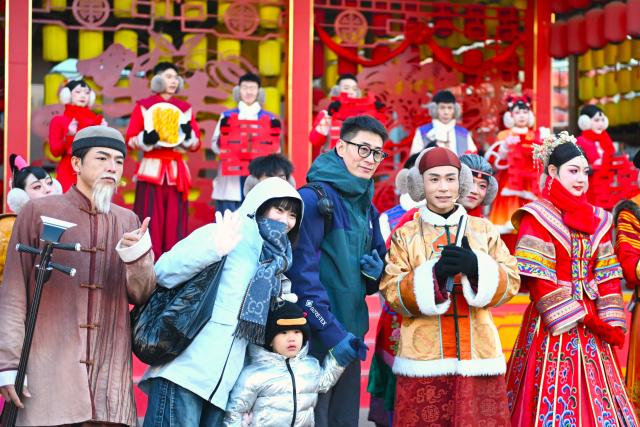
point(576, 35)
point(379, 24)
point(615, 22)
point(558, 40)
point(633, 18)
point(442, 19)
point(508, 24)
point(594, 19)
point(474, 23)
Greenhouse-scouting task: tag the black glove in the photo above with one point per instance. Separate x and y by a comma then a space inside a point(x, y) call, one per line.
point(379, 105)
point(275, 123)
point(150, 138)
point(186, 128)
point(458, 259)
point(333, 107)
point(224, 121)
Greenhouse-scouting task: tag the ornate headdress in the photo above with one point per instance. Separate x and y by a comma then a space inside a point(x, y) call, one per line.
point(542, 152)
point(522, 102)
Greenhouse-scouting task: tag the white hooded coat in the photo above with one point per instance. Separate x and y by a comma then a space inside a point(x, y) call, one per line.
point(210, 366)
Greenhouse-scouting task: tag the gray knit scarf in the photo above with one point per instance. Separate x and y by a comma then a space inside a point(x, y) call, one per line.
point(265, 285)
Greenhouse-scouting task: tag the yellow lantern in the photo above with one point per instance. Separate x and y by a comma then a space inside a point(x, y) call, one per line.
point(624, 51)
point(635, 109)
point(90, 44)
point(222, 8)
point(585, 61)
point(227, 48)
point(625, 111)
point(610, 83)
point(57, 5)
point(195, 10)
point(197, 57)
point(122, 8)
point(270, 57)
point(52, 83)
point(128, 39)
point(598, 58)
point(635, 48)
point(54, 43)
point(585, 88)
point(330, 75)
point(635, 79)
point(610, 54)
point(152, 47)
point(281, 84)
point(624, 80)
point(599, 86)
point(610, 110)
point(269, 16)
point(272, 99)
point(163, 9)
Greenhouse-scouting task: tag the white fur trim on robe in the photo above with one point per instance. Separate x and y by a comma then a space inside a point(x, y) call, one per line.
point(135, 252)
point(435, 368)
point(423, 288)
point(488, 279)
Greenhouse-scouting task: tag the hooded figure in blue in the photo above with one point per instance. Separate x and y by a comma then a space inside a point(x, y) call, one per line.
point(193, 389)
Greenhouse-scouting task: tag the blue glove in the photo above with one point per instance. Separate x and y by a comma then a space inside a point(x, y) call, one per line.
point(360, 347)
point(371, 265)
point(344, 352)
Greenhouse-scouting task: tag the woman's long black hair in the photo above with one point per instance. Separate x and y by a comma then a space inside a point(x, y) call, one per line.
point(20, 175)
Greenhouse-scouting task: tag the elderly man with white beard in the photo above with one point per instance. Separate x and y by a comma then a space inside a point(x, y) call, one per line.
point(79, 369)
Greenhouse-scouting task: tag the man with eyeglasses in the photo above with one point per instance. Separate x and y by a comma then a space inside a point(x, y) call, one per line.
point(338, 259)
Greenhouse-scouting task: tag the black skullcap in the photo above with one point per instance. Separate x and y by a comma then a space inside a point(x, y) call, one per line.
point(445, 97)
point(286, 316)
point(250, 77)
point(565, 152)
point(98, 136)
point(163, 66)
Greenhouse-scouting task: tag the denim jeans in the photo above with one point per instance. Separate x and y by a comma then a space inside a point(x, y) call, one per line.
point(171, 405)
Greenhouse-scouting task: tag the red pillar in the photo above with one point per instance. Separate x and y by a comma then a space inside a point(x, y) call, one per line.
point(542, 70)
point(17, 85)
point(299, 101)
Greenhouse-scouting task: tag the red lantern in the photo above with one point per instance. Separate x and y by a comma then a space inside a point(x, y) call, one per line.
point(594, 19)
point(579, 4)
point(576, 35)
point(379, 24)
point(615, 22)
point(474, 24)
point(633, 18)
point(508, 24)
point(558, 40)
point(442, 19)
point(560, 6)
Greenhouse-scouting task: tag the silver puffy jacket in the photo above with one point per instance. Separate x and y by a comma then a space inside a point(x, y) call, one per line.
point(277, 390)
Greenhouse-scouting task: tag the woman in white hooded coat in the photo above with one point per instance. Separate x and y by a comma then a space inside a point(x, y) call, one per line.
point(193, 389)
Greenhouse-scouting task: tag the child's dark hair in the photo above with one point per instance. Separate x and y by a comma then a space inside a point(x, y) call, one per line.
point(271, 165)
point(20, 175)
point(289, 204)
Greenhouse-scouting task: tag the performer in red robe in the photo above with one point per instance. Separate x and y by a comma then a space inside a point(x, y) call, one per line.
point(77, 98)
point(626, 217)
point(562, 370)
point(165, 128)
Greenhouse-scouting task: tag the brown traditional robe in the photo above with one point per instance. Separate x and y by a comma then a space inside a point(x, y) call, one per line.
point(80, 364)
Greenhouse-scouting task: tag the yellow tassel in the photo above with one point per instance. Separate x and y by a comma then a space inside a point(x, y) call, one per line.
point(270, 57)
point(90, 44)
point(54, 43)
point(197, 58)
point(272, 100)
point(122, 8)
point(269, 16)
point(128, 39)
point(52, 83)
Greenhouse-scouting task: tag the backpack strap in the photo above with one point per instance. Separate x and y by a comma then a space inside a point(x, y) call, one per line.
point(325, 204)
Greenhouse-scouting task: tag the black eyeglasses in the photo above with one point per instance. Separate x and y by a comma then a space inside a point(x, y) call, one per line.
point(365, 151)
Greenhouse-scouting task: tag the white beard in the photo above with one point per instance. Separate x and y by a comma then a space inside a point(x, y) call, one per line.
point(102, 195)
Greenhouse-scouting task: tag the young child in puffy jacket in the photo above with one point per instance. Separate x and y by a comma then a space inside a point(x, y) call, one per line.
point(280, 385)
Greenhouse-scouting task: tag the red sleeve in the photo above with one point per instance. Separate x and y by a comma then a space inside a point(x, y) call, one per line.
point(196, 131)
point(317, 138)
point(136, 125)
point(628, 246)
point(589, 149)
point(57, 135)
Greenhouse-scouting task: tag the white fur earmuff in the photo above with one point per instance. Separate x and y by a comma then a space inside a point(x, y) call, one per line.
point(584, 122)
point(507, 120)
point(65, 96)
point(235, 93)
point(432, 108)
point(335, 91)
point(415, 182)
point(158, 86)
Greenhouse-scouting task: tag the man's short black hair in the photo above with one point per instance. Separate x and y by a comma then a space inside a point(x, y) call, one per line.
point(250, 77)
point(355, 124)
point(347, 76)
point(271, 165)
point(81, 153)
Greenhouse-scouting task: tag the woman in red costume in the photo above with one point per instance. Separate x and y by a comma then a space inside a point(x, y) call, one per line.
point(77, 98)
point(562, 370)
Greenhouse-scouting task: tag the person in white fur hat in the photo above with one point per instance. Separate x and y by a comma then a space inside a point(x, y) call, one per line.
point(443, 285)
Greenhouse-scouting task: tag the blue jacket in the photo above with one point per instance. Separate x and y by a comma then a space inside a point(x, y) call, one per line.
point(326, 263)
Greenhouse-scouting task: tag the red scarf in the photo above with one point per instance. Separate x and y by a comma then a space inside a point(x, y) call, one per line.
point(603, 138)
point(83, 115)
point(577, 213)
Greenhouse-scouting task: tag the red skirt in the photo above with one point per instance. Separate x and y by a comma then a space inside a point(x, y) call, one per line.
point(453, 401)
